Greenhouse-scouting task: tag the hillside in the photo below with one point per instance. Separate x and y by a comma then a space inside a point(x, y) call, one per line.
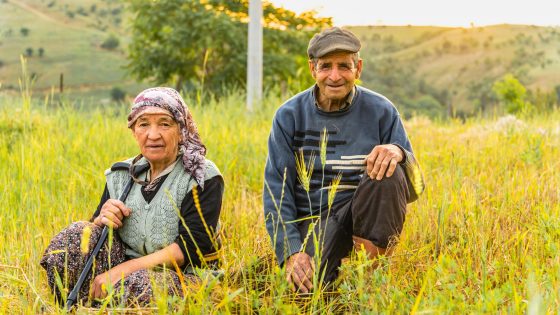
point(424, 69)
point(459, 65)
point(60, 37)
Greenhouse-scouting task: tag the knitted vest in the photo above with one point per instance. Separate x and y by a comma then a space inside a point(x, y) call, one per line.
point(153, 226)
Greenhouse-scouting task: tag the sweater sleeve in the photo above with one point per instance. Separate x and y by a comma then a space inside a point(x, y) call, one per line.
point(278, 193)
point(415, 179)
point(193, 235)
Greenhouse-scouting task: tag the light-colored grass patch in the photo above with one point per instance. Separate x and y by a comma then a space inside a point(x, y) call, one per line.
point(484, 237)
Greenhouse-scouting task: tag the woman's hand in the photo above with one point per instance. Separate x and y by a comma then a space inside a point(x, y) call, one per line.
point(112, 214)
point(98, 288)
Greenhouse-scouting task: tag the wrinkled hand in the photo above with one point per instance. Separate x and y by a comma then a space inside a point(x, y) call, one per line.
point(112, 213)
point(99, 286)
point(383, 160)
point(299, 272)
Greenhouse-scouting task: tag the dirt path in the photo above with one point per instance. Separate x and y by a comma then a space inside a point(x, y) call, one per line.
point(41, 14)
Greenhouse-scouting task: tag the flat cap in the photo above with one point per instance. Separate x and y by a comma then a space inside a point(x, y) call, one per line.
point(331, 40)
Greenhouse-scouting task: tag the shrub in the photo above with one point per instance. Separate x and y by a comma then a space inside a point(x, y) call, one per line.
point(41, 51)
point(118, 94)
point(29, 52)
point(24, 31)
point(110, 42)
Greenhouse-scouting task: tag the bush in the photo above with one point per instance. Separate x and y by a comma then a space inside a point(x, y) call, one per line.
point(41, 51)
point(111, 42)
point(29, 52)
point(118, 94)
point(24, 31)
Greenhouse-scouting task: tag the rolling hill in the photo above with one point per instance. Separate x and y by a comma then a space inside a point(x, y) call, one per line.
point(443, 68)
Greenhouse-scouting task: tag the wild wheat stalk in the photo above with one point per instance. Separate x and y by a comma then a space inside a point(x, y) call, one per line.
point(323, 155)
point(304, 173)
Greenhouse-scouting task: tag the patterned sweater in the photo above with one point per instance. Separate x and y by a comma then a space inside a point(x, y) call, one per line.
point(157, 221)
point(299, 128)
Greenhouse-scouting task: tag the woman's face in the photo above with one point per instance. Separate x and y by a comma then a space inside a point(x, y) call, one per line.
point(158, 138)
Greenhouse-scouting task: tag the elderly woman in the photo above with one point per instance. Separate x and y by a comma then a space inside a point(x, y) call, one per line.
point(169, 217)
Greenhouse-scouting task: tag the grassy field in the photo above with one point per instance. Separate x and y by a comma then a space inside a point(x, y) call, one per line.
point(484, 237)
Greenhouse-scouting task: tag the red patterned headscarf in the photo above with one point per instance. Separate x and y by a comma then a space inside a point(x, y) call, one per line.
point(168, 101)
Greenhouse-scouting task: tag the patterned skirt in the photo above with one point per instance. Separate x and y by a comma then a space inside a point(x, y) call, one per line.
point(67, 254)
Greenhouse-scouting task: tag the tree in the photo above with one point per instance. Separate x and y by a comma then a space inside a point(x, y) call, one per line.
point(41, 51)
point(111, 42)
point(512, 94)
point(24, 31)
point(204, 43)
point(118, 94)
point(29, 52)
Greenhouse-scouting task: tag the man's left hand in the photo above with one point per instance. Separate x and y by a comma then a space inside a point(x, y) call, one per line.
point(383, 160)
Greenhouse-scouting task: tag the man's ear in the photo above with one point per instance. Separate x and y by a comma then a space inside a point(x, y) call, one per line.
point(359, 68)
point(312, 68)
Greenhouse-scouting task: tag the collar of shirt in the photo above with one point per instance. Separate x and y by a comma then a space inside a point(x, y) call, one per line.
point(347, 103)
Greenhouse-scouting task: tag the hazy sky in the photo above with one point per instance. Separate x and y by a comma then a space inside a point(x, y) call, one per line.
point(431, 12)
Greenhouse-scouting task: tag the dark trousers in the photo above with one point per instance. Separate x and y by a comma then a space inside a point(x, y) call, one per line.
point(376, 212)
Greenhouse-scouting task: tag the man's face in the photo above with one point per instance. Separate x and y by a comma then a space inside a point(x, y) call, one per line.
point(335, 75)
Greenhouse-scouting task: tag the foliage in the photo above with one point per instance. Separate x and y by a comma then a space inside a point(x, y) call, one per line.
point(512, 94)
point(492, 205)
point(29, 52)
point(118, 94)
point(197, 43)
point(24, 31)
point(111, 42)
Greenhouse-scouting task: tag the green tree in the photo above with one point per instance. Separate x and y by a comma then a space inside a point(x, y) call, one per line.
point(512, 94)
point(111, 42)
point(204, 43)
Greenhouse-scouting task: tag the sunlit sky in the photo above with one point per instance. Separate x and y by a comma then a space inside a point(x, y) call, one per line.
point(431, 12)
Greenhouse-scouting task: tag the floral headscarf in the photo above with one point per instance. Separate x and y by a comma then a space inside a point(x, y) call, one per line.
point(168, 101)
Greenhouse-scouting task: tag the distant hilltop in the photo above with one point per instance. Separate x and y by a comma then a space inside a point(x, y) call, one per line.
point(420, 68)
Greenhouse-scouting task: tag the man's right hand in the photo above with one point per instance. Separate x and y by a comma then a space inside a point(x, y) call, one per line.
point(299, 272)
point(112, 213)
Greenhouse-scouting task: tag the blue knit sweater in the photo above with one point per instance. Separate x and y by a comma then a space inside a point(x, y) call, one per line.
point(297, 130)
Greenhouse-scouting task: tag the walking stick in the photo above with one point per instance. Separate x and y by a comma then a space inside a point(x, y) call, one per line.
point(73, 296)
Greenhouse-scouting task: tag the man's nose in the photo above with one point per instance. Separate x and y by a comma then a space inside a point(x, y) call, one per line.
point(334, 75)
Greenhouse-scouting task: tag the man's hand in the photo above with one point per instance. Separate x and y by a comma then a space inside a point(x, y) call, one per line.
point(299, 272)
point(112, 213)
point(383, 160)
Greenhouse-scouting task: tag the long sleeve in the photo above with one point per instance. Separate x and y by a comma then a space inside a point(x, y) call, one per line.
point(278, 196)
point(194, 236)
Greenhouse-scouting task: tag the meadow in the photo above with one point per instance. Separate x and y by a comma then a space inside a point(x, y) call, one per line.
point(483, 238)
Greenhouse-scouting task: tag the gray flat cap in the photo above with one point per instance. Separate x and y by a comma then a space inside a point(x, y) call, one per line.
point(331, 40)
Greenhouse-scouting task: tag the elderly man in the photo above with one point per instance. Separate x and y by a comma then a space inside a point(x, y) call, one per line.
point(336, 139)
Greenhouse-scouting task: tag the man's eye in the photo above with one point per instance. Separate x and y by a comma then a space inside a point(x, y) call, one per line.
point(324, 67)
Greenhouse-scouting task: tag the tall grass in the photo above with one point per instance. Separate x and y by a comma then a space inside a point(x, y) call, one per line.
point(484, 237)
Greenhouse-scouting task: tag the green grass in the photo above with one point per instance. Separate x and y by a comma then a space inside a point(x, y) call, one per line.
point(71, 47)
point(484, 237)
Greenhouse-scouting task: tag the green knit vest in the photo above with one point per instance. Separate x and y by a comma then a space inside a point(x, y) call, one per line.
point(153, 226)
